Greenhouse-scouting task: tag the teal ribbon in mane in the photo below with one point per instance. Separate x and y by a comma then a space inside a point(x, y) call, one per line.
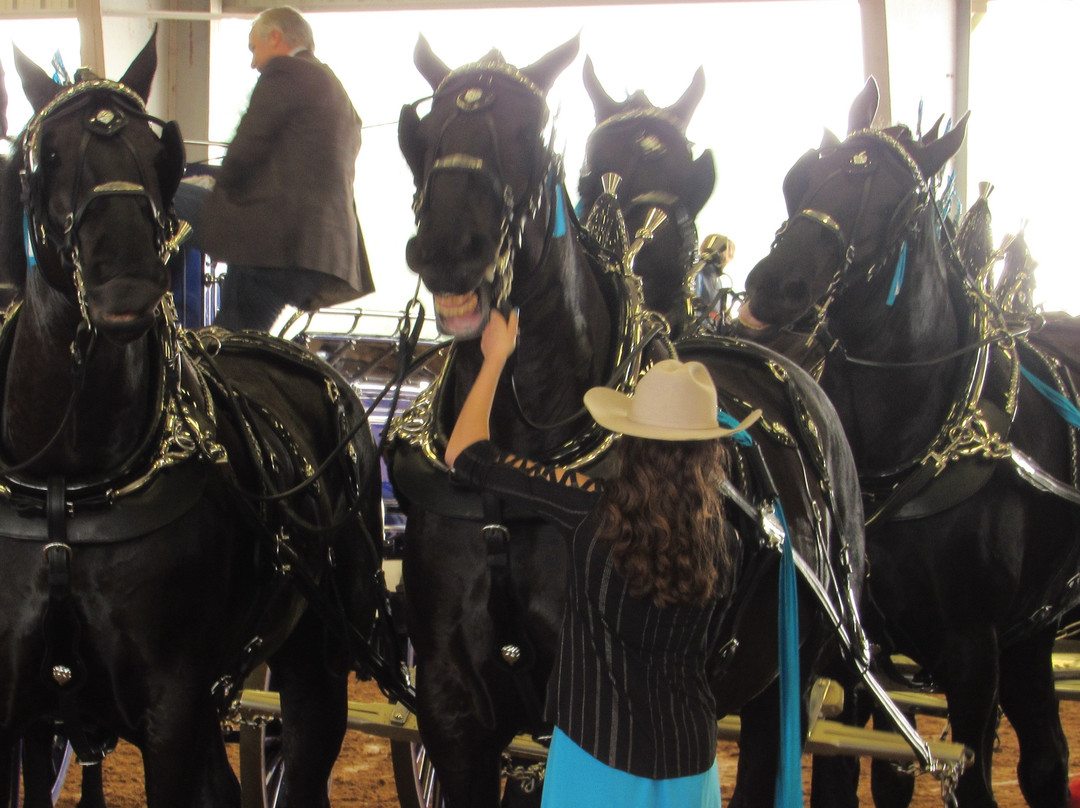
point(560, 213)
point(1066, 409)
point(898, 275)
point(742, 437)
point(789, 773)
point(31, 259)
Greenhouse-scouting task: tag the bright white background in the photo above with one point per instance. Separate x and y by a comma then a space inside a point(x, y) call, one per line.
point(776, 75)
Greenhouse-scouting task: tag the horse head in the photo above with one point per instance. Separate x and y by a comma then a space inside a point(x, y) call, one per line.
point(97, 185)
point(482, 167)
point(852, 207)
point(646, 146)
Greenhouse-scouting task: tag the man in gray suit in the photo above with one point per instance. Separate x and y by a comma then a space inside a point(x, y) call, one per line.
point(282, 213)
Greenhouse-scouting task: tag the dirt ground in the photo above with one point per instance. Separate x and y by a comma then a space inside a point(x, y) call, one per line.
point(363, 777)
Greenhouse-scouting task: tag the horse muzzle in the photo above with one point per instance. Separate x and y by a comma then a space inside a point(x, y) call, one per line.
point(122, 310)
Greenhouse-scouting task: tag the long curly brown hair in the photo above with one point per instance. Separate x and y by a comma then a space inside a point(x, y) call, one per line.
point(664, 520)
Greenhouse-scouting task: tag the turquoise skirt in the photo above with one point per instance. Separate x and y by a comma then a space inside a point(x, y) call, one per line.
point(575, 779)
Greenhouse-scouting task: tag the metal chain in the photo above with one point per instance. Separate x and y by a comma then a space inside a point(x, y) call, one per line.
point(528, 777)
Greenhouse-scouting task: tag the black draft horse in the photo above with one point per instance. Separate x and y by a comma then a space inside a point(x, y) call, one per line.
point(494, 229)
point(162, 491)
point(646, 146)
point(972, 558)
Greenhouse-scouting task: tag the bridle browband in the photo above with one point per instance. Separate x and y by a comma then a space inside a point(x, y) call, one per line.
point(475, 90)
point(106, 122)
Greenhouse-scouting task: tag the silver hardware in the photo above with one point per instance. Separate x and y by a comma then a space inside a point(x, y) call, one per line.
point(511, 654)
point(61, 674)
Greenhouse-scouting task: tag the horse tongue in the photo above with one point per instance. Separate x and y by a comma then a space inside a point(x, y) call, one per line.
point(747, 318)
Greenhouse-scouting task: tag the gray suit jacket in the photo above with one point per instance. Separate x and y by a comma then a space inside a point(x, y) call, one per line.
point(284, 195)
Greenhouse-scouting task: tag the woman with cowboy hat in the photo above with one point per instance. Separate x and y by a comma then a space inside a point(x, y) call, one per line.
point(651, 561)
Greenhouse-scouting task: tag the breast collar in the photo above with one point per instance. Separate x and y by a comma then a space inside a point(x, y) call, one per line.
point(160, 480)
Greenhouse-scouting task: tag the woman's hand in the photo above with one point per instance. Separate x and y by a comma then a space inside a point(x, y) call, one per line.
point(497, 343)
point(500, 336)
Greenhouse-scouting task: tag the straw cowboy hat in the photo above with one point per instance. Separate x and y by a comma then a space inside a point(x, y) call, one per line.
point(674, 401)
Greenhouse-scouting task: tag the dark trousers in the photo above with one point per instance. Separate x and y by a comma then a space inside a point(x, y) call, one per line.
point(253, 297)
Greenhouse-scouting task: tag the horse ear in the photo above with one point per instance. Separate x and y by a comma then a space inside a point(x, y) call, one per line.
point(431, 67)
point(140, 73)
point(408, 124)
point(933, 157)
point(864, 107)
point(604, 106)
point(39, 88)
point(828, 140)
point(683, 109)
point(170, 165)
point(704, 181)
point(547, 68)
point(932, 133)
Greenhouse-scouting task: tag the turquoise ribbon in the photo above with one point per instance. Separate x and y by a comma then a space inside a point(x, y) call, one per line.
point(742, 437)
point(1065, 408)
point(898, 275)
point(789, 773)
point(31, 259)
point(560, 213)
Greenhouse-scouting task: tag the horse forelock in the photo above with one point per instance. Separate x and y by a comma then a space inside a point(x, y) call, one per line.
point(486, 72)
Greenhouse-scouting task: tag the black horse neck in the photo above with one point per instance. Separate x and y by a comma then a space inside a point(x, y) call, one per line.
point(564, 342)
point(109, 400)
point(895, 375)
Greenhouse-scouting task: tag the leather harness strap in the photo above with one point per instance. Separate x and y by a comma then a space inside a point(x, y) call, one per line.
point(62, 666)
point(514, 649)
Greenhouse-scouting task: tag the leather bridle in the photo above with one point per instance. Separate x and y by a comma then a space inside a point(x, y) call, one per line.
point(902, 220)
point(107, 122)
point(475, 89)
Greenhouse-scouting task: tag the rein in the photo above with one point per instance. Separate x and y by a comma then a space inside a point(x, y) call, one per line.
point(79, 360)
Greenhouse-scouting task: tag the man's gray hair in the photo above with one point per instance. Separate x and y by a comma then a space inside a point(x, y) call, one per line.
point(294, 29)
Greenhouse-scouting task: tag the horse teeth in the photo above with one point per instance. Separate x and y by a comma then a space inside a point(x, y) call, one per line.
point(456, 305)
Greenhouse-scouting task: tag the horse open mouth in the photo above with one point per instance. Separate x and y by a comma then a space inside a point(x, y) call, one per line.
point(463, 316)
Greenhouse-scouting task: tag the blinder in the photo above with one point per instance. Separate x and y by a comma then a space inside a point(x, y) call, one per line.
point(408, 127)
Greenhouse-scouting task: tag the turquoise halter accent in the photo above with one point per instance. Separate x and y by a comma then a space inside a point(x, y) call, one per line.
point(898, 275)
